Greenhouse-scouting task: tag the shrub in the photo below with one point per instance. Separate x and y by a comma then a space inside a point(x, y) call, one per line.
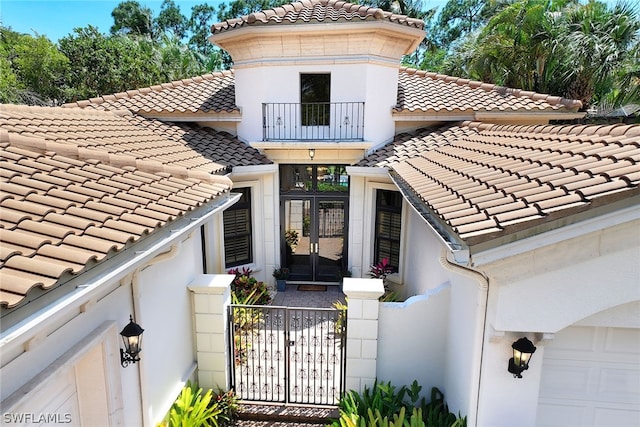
point(247, 289)
point(227, 402)
point(380, 271)
point(192, 409)
point(386, 405)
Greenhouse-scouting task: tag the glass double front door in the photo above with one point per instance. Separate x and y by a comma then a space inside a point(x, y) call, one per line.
point(314, 235)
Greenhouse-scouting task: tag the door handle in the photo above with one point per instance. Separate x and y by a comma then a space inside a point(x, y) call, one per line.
point(317, 247)
point(313, 248)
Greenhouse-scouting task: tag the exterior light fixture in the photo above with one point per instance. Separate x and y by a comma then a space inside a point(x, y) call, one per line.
point(312, 153)
point(522, 351)
point(132, 338)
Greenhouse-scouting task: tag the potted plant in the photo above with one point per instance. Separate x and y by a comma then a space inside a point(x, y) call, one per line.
point(281, 274)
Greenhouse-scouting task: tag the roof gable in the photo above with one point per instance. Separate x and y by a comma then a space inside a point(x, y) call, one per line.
point(501, 179)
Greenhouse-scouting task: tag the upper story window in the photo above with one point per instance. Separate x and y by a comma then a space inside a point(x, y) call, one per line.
point(238, 240)
point(315, 96)
point(388, 227)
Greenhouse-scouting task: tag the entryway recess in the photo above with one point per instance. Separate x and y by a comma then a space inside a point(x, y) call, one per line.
point(287, 354)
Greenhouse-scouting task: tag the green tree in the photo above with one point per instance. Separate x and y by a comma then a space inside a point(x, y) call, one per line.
point(9, 86)
point(32, 70)
point(238, 8)
point(171, 19)
point(459, 18)
point(580, 51)
point(202, 16)
point(177, 61)
point(129, 17)
point(108, 64)
point(598, 42)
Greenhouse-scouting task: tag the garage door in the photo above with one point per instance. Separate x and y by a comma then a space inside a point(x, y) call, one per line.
point(74, 394)
point(591, 377)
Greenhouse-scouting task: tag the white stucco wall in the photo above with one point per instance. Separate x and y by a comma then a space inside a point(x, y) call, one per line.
point(412, 340)
point(168, 345)
point(464, 343)
point(265, 210)
point(375, 85)
point(154, 290)
point(584, 274)
point(420, 264)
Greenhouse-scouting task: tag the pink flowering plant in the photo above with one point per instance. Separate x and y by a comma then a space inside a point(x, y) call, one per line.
point(380, 271)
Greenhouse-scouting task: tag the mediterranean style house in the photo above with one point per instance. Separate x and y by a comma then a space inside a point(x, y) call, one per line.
point(318, 152)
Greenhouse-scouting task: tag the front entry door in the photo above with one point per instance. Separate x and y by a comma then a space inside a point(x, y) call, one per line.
point(314, 230)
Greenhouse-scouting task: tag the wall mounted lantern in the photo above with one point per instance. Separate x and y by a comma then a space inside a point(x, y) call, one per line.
point(522, 351)
point(312, 153)
point(132, 338)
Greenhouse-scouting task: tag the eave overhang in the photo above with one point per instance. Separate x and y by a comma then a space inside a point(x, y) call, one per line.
point(166, 116)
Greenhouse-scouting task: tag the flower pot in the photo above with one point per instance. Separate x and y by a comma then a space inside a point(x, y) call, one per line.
point(281, 285)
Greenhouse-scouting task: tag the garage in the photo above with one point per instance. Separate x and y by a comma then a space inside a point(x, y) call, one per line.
point(79, 388)
point(591, 377)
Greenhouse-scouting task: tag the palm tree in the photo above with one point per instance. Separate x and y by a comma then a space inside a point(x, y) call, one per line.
point(598, 41)
point(556, 46)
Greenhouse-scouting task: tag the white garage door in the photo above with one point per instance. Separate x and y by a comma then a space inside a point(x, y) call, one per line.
point(591, 377)
point(74, 394)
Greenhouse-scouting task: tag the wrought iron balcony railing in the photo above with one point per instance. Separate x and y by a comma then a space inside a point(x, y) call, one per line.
point(315, 121)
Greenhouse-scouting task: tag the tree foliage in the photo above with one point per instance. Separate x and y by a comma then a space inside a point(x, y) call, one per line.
point(563, 47)
point(32, 69)
point(171, 20)
point(129, 17)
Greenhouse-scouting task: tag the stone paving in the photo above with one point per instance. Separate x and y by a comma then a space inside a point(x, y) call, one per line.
point(292, 297)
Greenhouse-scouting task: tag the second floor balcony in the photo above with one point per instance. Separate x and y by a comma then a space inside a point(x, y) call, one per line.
point(314, 121)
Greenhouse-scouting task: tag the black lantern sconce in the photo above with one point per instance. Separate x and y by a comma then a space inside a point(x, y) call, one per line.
point(522, 351)
point(132, 338)
point(312, 153)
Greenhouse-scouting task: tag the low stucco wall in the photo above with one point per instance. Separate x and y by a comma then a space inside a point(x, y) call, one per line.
point(412, 340)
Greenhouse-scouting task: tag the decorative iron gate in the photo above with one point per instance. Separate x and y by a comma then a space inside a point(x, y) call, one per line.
point(286, 354)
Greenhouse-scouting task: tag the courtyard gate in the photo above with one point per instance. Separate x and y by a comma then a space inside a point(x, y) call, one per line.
point(287, 354)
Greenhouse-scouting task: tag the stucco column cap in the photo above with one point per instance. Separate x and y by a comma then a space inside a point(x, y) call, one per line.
point(211, 283)
point(363, 288)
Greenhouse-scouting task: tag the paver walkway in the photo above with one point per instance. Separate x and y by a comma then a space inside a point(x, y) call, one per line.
point(292, 297)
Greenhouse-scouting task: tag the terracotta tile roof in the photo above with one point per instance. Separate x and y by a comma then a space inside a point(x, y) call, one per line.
point(408, 145)
point(214, 146)
point(419, 92)
point(502, 179)
point(422, 91)
point(65, 208)
point(115, 134)
point(310, 11)
point(209, 93)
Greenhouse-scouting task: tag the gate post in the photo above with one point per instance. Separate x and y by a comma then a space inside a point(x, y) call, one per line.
point(211, 296)
point(362, 331)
